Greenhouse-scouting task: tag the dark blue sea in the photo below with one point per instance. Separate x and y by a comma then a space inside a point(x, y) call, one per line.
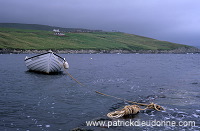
point(38, 102)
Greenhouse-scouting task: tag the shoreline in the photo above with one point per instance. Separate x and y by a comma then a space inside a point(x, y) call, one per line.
point(174, 51)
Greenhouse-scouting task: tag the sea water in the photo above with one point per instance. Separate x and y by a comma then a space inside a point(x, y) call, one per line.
point(30, 101)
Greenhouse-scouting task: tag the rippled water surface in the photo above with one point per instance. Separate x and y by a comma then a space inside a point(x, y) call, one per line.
point(37, 102)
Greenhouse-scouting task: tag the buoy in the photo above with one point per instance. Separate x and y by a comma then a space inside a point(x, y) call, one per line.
point(66, 65)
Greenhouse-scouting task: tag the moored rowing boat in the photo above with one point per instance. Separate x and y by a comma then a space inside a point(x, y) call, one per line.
point(47, 62)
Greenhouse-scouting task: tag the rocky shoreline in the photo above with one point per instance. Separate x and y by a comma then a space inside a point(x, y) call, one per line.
point(175, 51)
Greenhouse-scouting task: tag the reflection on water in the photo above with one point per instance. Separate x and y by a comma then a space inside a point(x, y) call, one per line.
point(32, 101)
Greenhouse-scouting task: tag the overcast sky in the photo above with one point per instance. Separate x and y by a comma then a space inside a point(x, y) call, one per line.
point(170, 20)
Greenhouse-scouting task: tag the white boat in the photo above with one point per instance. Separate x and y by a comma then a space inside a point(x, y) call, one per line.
point(47, 62)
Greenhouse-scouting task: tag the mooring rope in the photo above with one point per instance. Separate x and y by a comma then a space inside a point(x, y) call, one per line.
point(73, 78)
point(127, 110)
point(64, 67)
point(142, 104)
point(150, 106)
point(130, 109)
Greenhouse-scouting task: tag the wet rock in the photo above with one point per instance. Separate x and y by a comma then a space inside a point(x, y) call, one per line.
point(162, 96)
point(198, 96)
point(81, 129)
point(194, 83)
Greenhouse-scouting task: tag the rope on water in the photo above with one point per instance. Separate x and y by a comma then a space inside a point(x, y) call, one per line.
point(130, 109)
point(127, 110)
point(65, 67)
point(73, 78)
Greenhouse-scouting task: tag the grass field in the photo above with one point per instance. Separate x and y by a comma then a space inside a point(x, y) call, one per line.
point(11, 38)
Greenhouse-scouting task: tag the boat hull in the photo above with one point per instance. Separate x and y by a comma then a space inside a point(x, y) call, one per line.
point(48, 63)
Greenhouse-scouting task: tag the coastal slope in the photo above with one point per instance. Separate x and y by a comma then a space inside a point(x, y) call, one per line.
point(29, 39)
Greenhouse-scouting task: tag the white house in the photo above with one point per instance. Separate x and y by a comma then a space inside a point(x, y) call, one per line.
point(57, 32)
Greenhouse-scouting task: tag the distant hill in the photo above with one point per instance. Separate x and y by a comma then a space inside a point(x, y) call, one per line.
point(43, 27)
point(41, 37)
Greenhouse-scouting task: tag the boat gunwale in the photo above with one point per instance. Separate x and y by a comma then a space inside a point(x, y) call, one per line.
point(44, 54)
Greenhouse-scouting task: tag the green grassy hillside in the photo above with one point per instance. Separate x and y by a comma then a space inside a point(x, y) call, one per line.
point(11, 38)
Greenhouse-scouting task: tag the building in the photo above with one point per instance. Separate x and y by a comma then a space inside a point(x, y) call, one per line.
point(57, 32)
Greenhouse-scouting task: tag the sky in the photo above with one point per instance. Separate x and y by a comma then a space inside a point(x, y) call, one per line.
point(175, 21)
